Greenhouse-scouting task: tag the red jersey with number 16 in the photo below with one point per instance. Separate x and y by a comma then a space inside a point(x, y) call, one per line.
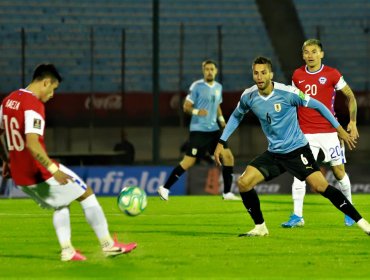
point(321, 85)
point(21, 113)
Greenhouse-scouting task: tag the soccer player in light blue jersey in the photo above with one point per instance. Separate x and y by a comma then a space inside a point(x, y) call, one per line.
point(203, 104)
point(275, 105)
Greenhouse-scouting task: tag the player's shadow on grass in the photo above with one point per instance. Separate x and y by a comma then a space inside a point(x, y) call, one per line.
point(24, 256)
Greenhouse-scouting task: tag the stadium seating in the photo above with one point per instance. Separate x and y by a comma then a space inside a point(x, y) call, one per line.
point(343, 28)
point(60, 32)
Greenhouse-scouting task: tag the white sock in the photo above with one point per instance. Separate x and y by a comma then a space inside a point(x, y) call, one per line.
point(95, 216)
point(298, 193)
point(62, 225)
point(345, 187)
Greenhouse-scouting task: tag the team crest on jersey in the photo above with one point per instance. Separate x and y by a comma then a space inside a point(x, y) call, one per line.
point(322, 80)
point(217, 92)
point(194, 151)
point(37, 123)
point(277, 107)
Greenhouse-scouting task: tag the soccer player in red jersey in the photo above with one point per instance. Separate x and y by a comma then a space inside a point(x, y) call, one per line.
point(322, 83)
point(51, 185)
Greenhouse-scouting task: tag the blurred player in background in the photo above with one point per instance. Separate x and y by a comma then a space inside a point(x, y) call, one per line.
point(275, 105)
point(203, 104)
point(51, 185)
point(322, 82)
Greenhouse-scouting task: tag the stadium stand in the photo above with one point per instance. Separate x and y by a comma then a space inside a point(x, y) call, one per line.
point(343, 28)
point(60, 31)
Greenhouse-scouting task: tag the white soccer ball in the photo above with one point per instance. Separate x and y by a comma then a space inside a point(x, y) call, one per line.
point(132, 200)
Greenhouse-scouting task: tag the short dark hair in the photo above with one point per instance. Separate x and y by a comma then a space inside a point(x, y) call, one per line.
point(263, 60)
point(43, 71)
point(312, 42)
point(209, 61)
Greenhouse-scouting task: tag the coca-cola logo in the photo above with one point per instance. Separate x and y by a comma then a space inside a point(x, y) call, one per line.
point(109, 102)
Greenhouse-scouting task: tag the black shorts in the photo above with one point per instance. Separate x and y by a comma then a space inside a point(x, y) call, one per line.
point(300, 163)
point(202, 142)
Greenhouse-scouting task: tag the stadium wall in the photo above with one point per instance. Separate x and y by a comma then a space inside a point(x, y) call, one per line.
point(200, 180)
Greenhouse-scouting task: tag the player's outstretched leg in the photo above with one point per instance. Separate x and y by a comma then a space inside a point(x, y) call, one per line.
point(62, 225)
point(96, 218)
point(342, 203)
point(176, 173)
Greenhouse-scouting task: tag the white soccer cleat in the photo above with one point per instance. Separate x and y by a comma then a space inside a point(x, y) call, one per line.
point(259, 230)
point(364, 225)
point(163, 192)
point(230, 196)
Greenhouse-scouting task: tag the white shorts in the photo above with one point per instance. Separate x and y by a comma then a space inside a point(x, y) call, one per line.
point(329, 143)
point(51, 194)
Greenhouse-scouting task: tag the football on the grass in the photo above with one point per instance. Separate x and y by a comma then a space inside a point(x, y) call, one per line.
point(132, 200)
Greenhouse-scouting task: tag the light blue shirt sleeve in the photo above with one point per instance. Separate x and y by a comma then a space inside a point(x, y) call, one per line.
point(233, 122)
point(318, 106)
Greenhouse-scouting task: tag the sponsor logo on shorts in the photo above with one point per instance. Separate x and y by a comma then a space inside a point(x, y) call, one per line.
point(194, 151)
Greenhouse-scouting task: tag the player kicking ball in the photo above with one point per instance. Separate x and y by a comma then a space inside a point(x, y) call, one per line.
point(51, 185)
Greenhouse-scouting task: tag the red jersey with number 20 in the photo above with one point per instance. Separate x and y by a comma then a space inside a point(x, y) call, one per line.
point(321, 85)
point(22, 113)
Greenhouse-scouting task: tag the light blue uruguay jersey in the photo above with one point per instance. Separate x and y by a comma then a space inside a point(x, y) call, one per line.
point(204, 96)
point(277, 114)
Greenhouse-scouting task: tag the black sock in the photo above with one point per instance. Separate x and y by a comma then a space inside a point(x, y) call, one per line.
point(341, 202)
point(252, 204)
point(174, 176)
point(227, 174)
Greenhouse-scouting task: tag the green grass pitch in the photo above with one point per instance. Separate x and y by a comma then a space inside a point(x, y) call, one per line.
point(190, 237)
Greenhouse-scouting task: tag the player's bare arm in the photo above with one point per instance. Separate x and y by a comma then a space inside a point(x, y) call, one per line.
point(38, 152)
point(220, 117)
point(189, 109)
point(352, 109)
point(346, 137)
point(218, 153)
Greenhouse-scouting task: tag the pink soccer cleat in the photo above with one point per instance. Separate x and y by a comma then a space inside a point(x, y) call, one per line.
point(119, 248)
point(72, 255)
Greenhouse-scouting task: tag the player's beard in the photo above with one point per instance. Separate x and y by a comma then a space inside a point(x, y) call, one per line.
point(210, 79)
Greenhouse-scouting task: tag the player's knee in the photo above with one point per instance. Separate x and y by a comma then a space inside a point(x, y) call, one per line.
point(243, 185)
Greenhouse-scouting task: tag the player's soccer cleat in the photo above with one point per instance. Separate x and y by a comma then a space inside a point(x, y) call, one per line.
point(259, 230)
point(364, 225)
point(294, 221)
point(72, 255)
point(230, 196)
point(118, 248)
point(163, 192)
point(348, 221)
